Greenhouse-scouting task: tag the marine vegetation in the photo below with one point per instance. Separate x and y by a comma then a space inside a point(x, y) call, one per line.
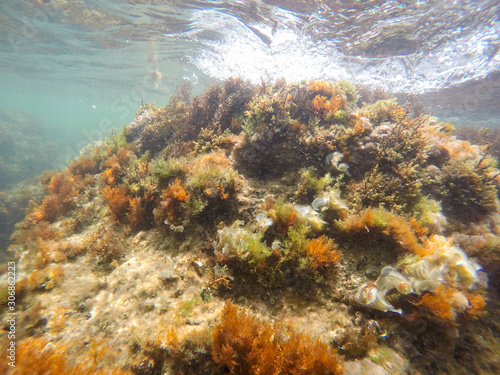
point(246, 345)
point(41, 357)
point(308, 227)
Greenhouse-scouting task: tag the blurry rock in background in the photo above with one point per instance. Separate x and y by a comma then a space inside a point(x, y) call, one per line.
point(25, 151)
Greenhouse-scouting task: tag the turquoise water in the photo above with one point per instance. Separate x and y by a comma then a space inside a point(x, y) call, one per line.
point(73, 112)
point(72, 115)
point(67, 115)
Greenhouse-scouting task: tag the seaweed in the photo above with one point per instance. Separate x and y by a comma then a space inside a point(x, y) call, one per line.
point(63, 189)
point(37, 356)
point(118, 201)
point(321, 252)
point(375, 222)
point(245, 344)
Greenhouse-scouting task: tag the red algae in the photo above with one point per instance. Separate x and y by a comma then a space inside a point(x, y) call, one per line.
point(36, 356)
point(322, 252)
point(248, 345)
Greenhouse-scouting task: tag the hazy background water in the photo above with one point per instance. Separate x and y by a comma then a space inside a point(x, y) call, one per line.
point(81, 68)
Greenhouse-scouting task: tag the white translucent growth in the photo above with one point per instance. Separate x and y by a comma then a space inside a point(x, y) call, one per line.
point(459, 302)
point(438, 222)
point(307, 216)
point(320, 204)
point(229, 238)
point(301, 211)
point(373, 295)
point(175, 228)
point(424, 277)
point(467, 273)
point(448, 263)
point(369, 295)
point(329, 201)
point(457, 264)
point(334, 159)
point(263, 221)
point(276, 244)
point(390, 278)
point(240, 242)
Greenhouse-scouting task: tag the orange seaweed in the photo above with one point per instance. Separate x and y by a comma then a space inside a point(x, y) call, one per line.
point(63, 189)
point(247, 345)
point(36, 356)
point(445, 302)
point(115, 167)
point(46, 278)
point(328, 107)
point(82, 166)
point(137, 213)
point(177, 191)
point(476, 305)
point(171, 204)
point(388, 223)
point(321, 87)
point(215, 159)
point(220, 190)
point(117, 200)
point(322, 252)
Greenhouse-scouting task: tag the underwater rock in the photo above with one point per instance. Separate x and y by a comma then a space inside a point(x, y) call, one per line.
point(138, 247)
point(142, 118)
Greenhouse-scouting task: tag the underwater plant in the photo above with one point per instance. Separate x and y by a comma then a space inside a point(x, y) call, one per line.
point(242, 243)
point(371, 221)
point(83, 166)
point(309, 217)
point(39, 356)
point(245, 345)
point(445, 302)
point(321, 252)
point(62, 189)
point(117, 199)
point(310, 185)
point(329, 201)
point(283, 216)
point(438, 275)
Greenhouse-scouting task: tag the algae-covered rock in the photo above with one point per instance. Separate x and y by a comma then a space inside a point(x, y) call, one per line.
point(258, 229)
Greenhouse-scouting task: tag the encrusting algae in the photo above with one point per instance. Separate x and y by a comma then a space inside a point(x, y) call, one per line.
point(292, 228)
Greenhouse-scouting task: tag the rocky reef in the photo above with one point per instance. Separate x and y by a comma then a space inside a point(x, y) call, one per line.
point(25, 151)
point(295, 228)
